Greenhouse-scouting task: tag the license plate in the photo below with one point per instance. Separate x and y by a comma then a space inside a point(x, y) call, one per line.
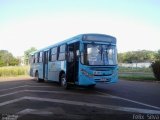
point(103, 79)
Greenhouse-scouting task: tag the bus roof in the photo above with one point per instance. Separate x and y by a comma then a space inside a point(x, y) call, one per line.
point(83, 37)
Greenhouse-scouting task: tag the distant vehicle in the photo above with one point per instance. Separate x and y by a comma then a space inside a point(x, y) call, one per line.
point(81, 60)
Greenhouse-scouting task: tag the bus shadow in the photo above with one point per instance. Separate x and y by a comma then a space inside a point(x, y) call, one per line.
point(31, 81)
point(73, 88)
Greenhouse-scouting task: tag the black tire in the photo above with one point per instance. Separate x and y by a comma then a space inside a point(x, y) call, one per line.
point(37, 77)
point(63, 81)
point(91, 86)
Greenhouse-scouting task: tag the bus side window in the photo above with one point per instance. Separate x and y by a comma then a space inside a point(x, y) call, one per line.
point(32, 60)
point(36, 58)
point(53, 56)
point(40, 57)
point(61, 52)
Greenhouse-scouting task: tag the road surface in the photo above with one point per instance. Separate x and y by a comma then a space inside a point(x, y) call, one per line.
point(26, 100)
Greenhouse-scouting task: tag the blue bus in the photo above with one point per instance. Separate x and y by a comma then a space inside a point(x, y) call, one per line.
point(82, 60)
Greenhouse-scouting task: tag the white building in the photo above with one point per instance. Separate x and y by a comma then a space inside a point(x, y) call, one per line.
point(140, 65)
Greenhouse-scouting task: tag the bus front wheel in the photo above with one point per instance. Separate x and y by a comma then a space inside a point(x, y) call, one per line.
point(63, 81)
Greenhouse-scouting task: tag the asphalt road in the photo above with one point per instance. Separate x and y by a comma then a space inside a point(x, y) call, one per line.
point(26, 100)
point(145, 92)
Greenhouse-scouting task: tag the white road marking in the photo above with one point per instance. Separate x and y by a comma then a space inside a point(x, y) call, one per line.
point(140, 103)
point(13, 88)
point(43, 86)
point(33, 111)
point(54, 111)
point(118, 108)
point(46, 91)
point(126, 109)
point(12, 93)
point(11, 101)
point(36, 91)
point(63, 92)
point(25, 111)
point(22, 87)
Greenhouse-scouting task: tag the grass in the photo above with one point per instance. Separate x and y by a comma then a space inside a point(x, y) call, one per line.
point(135, 76)
point(142, 74)
point(14, 71)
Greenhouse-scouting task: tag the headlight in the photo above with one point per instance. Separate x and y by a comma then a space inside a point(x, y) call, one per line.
point(86, 73)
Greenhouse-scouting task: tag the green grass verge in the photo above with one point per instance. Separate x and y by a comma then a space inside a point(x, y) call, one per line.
point(136, 77)
point(142, 74)
point(14, 71)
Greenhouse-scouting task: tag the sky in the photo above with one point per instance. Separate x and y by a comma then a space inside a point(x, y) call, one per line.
point(40, 23)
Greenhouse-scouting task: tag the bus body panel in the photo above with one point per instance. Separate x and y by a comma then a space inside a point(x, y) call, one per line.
point(93, 75)
point(38, 67)
point(54, 69)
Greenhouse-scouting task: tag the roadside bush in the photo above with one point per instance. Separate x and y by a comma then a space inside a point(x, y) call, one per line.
point(13, 71)
point(156, 69)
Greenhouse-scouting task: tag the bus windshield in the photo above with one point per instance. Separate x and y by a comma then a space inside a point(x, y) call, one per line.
point(97, 54)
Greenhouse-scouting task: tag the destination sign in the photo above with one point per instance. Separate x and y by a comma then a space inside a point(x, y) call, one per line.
point(99, 38)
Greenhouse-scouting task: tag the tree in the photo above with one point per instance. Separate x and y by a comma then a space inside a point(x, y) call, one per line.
point(137, 56)
point(14, 61)
point(156, 69)
point(27, 53)
point(121, 57)
point(157, 55)
point(156, 65)
point(7, 59)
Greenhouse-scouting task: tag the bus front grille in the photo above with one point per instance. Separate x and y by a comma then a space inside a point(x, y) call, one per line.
point(104, 75)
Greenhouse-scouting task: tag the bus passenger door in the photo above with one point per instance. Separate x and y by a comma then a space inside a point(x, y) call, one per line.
point(72, 62)
point(45, 69)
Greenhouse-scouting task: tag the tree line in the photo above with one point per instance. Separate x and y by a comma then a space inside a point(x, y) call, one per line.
point(7, 58)
point(138, 56)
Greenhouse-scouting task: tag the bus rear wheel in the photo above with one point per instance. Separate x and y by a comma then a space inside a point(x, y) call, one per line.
point(63, 81)
point(37, 78)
